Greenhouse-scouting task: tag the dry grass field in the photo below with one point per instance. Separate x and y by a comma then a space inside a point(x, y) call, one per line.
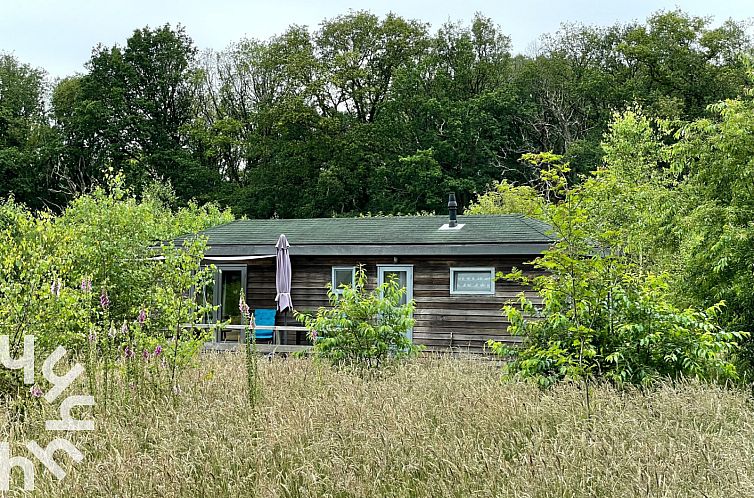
point(433, 427)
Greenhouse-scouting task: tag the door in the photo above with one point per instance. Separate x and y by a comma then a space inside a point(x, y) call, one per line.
point(405, 276)
point(230, 281)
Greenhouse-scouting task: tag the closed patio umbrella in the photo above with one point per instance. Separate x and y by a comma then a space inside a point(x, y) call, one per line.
point(283, 277)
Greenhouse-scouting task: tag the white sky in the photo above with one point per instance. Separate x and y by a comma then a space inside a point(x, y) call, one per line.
point(58, 35)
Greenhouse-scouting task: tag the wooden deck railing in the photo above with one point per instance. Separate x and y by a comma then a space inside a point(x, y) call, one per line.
point(274, 346)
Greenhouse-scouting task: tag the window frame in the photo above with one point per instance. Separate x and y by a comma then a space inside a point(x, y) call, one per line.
point(336, 290)
point(489, 269)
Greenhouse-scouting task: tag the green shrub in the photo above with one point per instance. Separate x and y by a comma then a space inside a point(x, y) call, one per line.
point(361, 328)
point(603, 316)
point(82, 279)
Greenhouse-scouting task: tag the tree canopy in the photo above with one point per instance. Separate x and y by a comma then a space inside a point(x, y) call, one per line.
point(362, 114)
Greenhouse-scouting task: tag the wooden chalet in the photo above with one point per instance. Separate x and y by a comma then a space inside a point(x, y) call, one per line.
point(447, 265)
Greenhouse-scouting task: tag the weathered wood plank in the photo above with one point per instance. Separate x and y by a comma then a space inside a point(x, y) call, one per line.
point(473, 319)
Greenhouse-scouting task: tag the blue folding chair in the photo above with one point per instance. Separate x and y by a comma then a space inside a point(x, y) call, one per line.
point(265, 318)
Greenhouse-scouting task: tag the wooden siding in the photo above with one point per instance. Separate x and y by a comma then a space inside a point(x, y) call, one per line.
point(443, 322)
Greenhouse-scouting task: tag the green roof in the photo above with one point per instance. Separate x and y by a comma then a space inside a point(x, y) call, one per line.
point(384, 235)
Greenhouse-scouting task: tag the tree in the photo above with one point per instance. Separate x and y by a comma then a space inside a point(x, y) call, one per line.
point(679, 65)
point(27, 143)
point(505, 198)
point(602, 315)
point(674, 65)
point(360, 56)
point(362, 329)
point(129, 111)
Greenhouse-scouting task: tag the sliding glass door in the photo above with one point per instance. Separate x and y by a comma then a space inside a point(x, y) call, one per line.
point(230, 282)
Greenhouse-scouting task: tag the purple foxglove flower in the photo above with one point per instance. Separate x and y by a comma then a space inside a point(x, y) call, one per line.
point(36, 391)
point(157, 351)
point(104, 301)
point(142, 317)
point(243, 307)
point(128, 353)
point(145, 355)
point(313, 335)
point(86, 284)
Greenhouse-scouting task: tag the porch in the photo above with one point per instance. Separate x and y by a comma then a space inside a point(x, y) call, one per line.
point(278, 343)
point(252, 277)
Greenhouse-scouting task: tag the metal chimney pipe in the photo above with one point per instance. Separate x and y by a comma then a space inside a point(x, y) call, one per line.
point(452, 210)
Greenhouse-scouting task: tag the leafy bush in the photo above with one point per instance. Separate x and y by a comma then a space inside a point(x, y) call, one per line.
point(506, 198)
point(362, 328)
point(603, 316)
point(85, 279)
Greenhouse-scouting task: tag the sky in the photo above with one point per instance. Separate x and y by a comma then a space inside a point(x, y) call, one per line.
point(58, 35)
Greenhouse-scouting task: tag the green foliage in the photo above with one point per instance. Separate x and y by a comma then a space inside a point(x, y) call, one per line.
point(27, 142)
point(677, 198)
point(129, 111)
point(505, 198)
point(602, 316)
point(362, 329)
point(82, 279)
point(363, 113)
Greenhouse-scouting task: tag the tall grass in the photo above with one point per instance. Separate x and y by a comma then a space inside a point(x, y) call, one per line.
point(433, 427)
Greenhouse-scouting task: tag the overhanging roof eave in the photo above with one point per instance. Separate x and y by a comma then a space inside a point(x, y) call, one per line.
point(511, 248)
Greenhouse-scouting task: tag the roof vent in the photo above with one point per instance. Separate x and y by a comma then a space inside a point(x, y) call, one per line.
point(452, 214)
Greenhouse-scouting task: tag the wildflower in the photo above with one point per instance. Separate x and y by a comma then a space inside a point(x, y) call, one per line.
point(92, 336)
point(36, 391)
point(104, 301)
point(55, 288)
point(142, 317)
point(128, 353)
point(145, 355)
point(157, 351)
point(112, 333)
point(86, 284)
point(243, 307)
point(313, 335)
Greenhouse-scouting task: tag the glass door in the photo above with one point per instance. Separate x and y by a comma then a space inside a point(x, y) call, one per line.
point(404, 274)
point(230, 281)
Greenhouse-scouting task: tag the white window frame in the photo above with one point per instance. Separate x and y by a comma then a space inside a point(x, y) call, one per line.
point(489, 269)
point(352, 269)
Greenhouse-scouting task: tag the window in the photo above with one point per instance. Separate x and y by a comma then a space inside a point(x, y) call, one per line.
point(479, 281)
point(343, 275)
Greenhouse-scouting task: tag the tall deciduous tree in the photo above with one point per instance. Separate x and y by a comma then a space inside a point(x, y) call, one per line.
point(130, 109)
point(27, 143)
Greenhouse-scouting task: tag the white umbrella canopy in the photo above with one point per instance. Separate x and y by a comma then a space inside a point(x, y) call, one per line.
point(283, 274)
